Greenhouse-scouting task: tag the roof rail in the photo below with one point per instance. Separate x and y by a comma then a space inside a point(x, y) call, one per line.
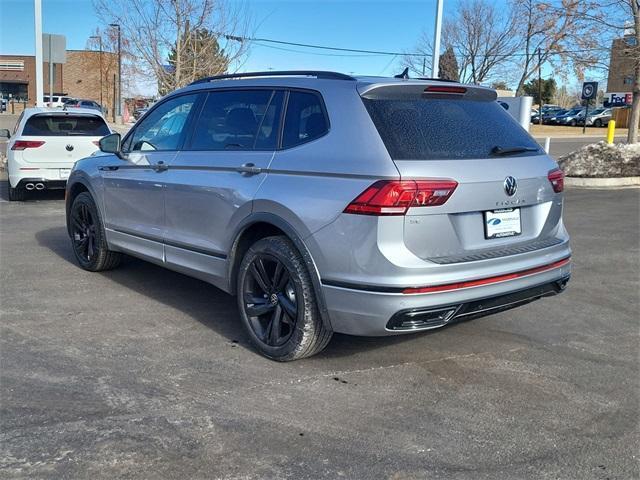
point(282, 73)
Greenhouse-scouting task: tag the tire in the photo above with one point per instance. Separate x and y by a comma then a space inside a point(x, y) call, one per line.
point(597, 123)
point(573, 123)
point(88, 239)
point(277, 302)
point(16, 194)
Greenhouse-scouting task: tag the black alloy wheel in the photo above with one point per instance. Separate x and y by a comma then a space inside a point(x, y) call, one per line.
point(270, 300)
point(83, 232)
point(88, 238)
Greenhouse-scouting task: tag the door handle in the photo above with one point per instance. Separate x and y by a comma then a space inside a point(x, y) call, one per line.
point(248, 169)
point(109, 168)
point(160, 167)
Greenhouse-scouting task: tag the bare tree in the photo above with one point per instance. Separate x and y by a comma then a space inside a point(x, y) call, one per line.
point(482, 36)
point(634, 51)
point(558, 33)
point(155, 29)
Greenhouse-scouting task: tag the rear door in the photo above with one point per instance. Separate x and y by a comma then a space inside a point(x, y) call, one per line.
point(134, 186)
point(503, 197)
point(67, 137)
point(211, 183)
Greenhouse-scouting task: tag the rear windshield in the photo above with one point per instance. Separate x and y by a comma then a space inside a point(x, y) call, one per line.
point(64, 125)
point(443, 129)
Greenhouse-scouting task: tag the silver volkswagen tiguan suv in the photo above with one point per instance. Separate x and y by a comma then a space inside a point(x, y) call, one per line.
point(328, 203)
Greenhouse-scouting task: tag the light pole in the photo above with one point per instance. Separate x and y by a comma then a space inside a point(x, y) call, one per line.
point(115, 25)
point(436, 40)
point(99, 40)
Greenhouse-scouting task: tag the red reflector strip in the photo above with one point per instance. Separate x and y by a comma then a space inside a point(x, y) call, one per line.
point(488, 280)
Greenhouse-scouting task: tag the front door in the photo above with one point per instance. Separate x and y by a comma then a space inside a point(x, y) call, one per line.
point(134, 187)
point(211, 183)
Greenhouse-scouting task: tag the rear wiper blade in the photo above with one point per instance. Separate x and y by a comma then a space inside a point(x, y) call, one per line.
point(499, 150)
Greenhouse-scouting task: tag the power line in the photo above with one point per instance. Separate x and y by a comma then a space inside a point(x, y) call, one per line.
point(386, 52)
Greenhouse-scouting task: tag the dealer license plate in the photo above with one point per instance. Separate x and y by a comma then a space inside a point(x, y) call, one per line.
point(502, 223)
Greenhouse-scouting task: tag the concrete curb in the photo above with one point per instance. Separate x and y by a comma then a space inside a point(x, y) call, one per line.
point(602, 182)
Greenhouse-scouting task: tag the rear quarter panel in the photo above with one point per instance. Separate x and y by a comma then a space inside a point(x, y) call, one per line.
point(311, 184)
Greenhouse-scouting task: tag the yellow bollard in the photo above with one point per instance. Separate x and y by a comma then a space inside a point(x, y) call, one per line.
point(611, 128)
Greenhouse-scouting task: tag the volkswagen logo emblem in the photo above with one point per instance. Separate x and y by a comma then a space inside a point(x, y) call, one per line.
point(69, 148)
point(510, 186)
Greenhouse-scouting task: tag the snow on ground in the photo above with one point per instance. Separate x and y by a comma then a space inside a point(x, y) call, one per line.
point(602, 160)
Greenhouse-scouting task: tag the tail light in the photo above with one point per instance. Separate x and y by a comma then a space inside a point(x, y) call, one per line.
point(24, 144)
point(395, 197)
point(556, 177)
point(445, 89)
point(96, 143)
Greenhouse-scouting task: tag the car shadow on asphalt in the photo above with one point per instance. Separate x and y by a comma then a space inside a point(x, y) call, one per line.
point(203, 302)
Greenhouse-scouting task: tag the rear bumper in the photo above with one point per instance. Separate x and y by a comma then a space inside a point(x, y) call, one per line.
point(30, 183)
point(377, 313)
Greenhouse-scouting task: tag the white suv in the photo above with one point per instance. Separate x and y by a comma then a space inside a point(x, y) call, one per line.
point(56, 101)
point(45, 144)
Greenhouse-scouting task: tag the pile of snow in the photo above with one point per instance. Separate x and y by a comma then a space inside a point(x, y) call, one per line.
point(600, 160)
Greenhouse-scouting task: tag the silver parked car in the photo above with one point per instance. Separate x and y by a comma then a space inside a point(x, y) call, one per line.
point(598, 118)
point(328, 203)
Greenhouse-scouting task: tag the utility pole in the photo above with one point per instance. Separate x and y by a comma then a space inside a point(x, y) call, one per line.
point(119, 110)
point(99, 40)
point(436, 40)
point(51, 67)
point(39, 64)
point(539, 87)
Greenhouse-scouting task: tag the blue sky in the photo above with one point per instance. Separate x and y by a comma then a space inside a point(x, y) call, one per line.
point(364, 24)
point(390, 25)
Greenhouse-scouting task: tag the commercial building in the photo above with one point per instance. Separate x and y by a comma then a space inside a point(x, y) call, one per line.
point(86, 74)
point(621, 71)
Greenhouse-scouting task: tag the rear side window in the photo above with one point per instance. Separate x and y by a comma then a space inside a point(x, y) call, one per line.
point(238, 120)
point(65, 125)
point(445, 128)
point(305, 119)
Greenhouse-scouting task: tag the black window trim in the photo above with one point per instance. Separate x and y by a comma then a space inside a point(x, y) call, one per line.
point(197, 105)
point(203, 94)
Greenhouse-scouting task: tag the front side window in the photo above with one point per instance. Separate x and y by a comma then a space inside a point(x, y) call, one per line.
point(66, 125)
point(305, 119)
point(163, 129)
point(238, 120)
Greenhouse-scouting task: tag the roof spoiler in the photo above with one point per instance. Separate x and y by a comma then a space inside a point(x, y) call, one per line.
point(426, 89)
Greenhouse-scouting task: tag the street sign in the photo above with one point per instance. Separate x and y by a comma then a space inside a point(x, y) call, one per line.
point(54, 47)
point(589, 90)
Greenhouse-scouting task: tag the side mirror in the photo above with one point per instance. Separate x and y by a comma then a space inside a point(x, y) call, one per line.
point(5, 133)
point(111, 144)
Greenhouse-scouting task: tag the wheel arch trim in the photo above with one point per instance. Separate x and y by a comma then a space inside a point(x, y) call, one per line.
point(71, 183)
point(290, 232)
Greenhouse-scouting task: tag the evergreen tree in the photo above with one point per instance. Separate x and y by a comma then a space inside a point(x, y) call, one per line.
point(448, 65)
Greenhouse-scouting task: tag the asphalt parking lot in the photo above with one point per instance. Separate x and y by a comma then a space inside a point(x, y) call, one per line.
point(145, 373)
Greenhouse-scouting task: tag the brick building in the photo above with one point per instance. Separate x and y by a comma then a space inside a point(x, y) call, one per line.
point(621, 76)
point(86, 74)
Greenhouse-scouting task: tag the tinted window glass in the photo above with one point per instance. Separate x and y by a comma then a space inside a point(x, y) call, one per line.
point(163, 129)
point(305, 120)
point(440, 129)
point(238, 120)
point(63, 125)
